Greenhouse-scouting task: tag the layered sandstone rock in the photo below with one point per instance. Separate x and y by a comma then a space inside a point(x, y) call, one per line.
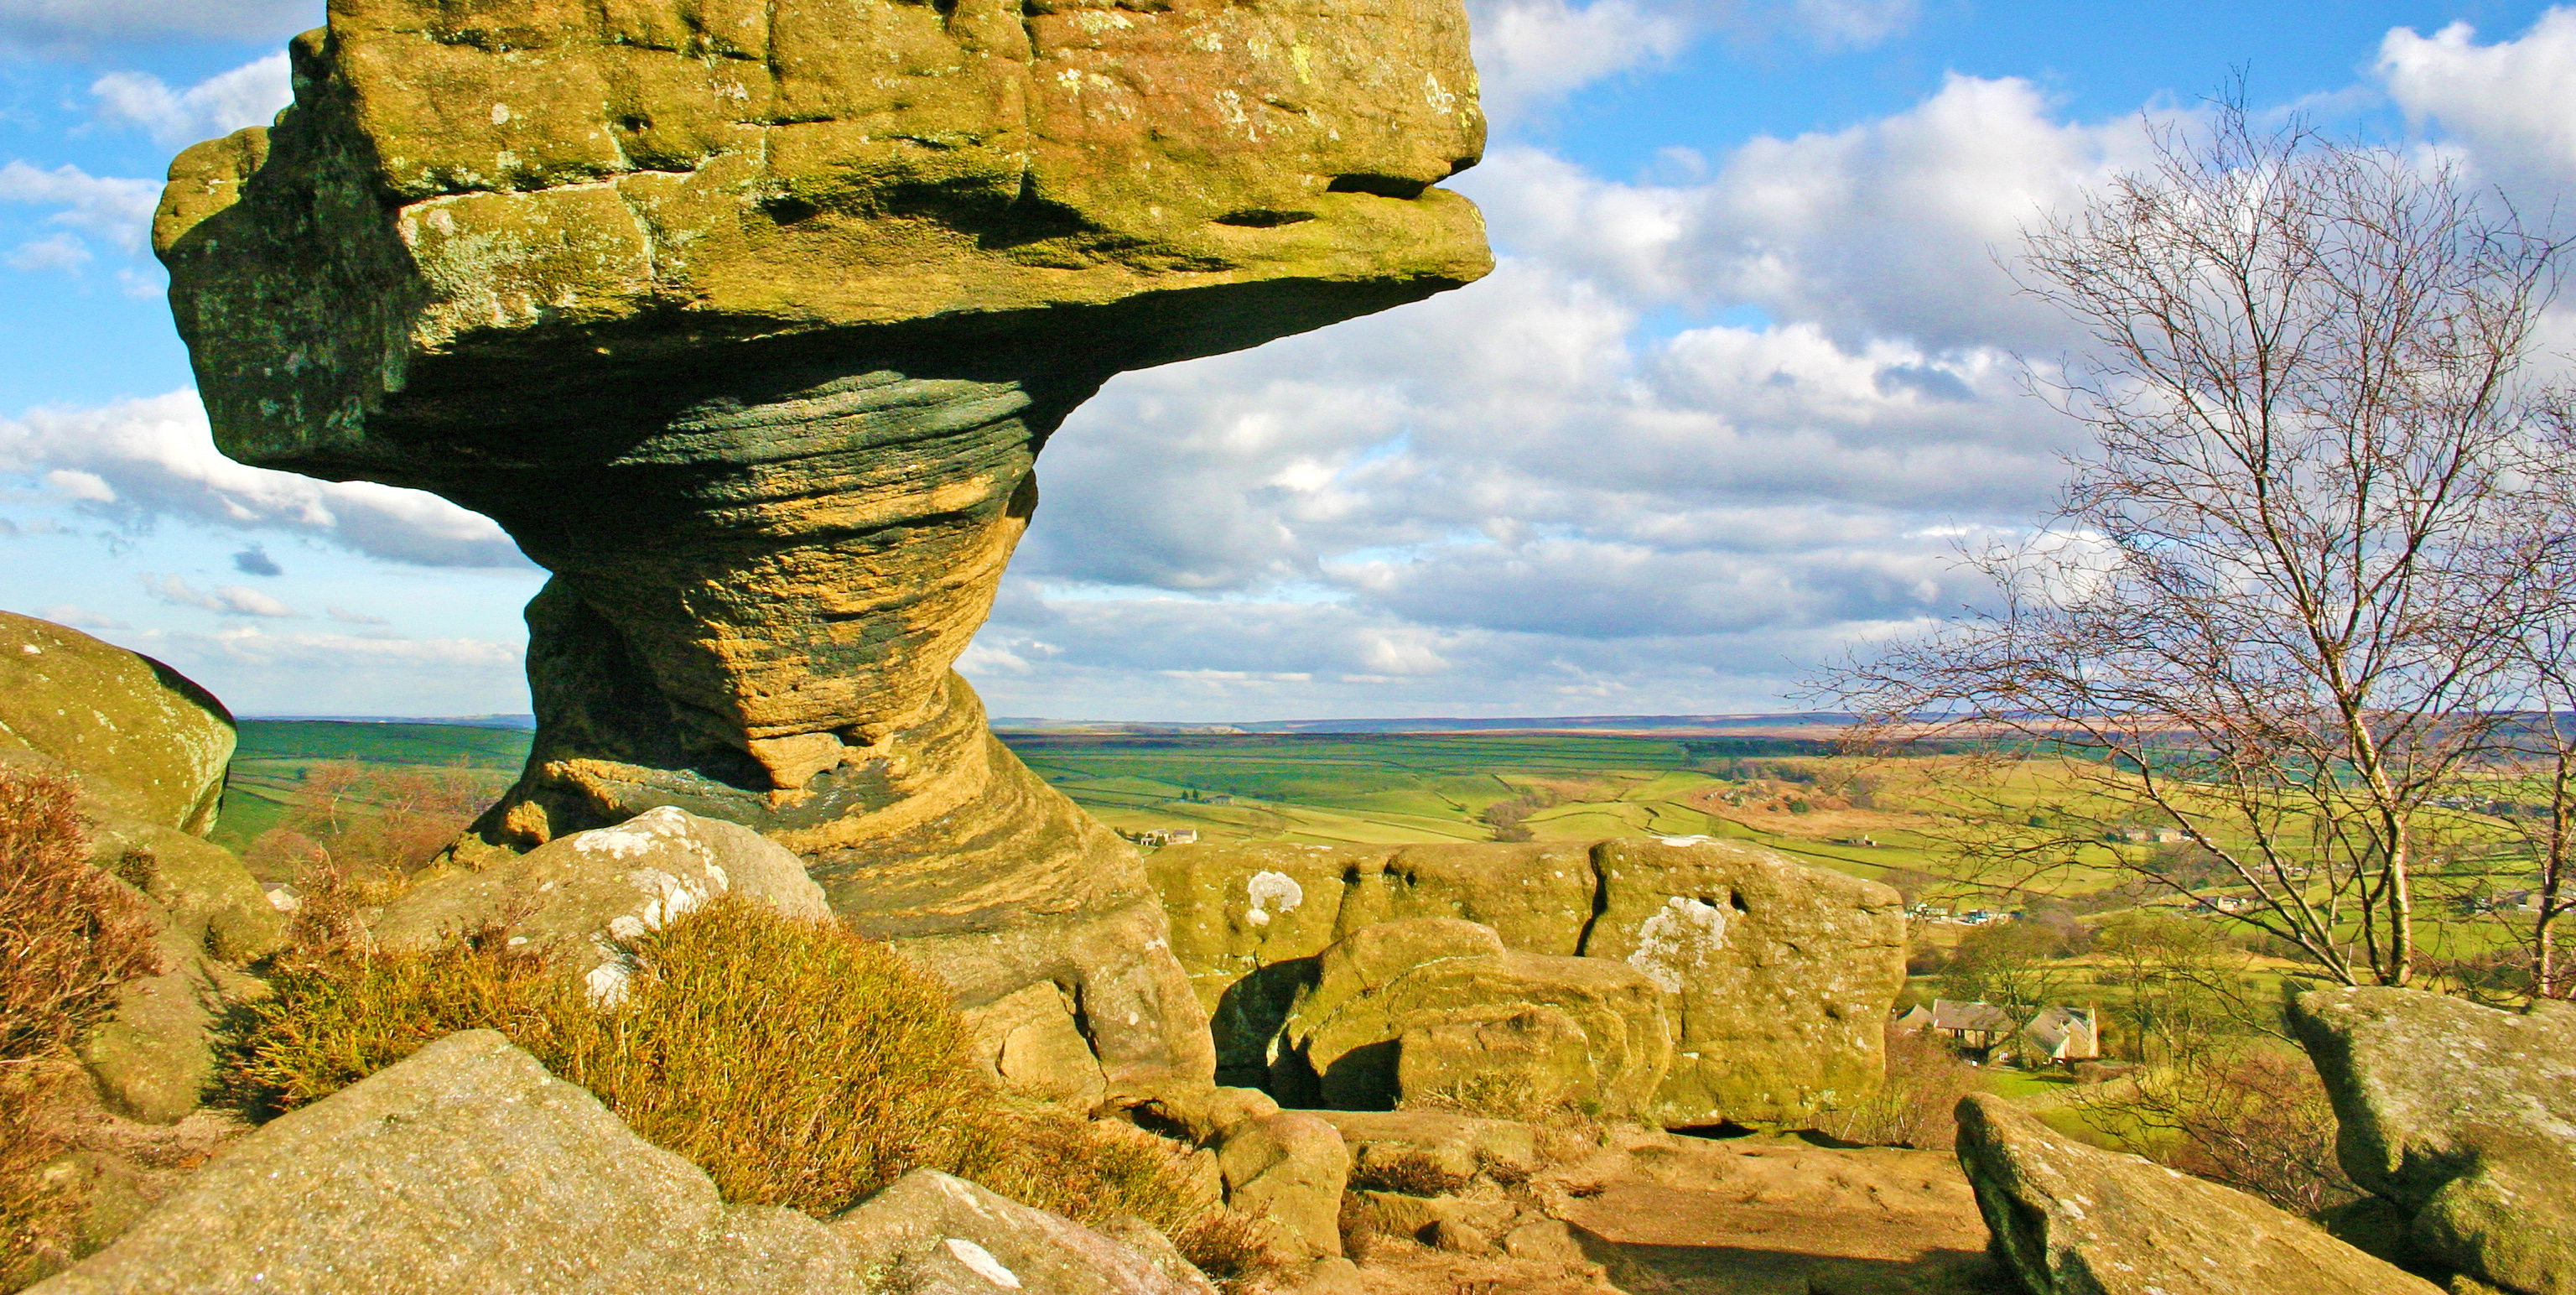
point(1774, 976)
point(1432, 1006)
point(2464, 1117)
point(748, 320)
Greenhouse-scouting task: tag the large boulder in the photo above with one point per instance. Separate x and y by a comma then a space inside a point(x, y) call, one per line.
point(1776, 975)
point(2464, 1117)
point(1288, 1167)
point(2069, 1219)
point(1418, 981)
point(116, 717)
point(582, 894)
point(748, 321)
point(467, 1167)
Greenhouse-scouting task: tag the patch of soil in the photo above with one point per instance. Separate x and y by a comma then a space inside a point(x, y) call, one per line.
point(1659, 1214)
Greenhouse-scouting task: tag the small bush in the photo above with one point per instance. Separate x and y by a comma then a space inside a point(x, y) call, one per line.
point(1412, 1174)
point(69, 934)
point(1913, 1107)
point(794, 1061)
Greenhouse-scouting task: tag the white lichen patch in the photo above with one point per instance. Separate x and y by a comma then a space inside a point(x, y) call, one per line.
point(1271, 892)
point(983, 1264)
point(1677, 940)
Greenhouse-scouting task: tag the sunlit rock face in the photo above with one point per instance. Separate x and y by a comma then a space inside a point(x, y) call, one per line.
point(748, 319)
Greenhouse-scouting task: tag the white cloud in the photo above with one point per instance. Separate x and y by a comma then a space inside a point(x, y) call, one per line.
point(2506, 101)
point(80, 617)
point(114, 209)
point(79, 23)
point(1530, 53)
point(64, 252)
point(1889, 228)
point(230, 600)
point(347, 617)
point(138, 460)
point(249, 95)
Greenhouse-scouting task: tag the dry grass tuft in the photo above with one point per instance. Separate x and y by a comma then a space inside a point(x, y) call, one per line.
point(796, 1062)
point(1412, 1173)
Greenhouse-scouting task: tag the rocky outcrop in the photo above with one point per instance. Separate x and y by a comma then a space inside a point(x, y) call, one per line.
point(1288, 1167)
point(2462, 1116)
point(1439, 1002)
point(582, 894)
point(467, 1167)
point(1774, 976)
point(146, 749)
point(155, 742)
point(2069, 1219)
point(748, 322)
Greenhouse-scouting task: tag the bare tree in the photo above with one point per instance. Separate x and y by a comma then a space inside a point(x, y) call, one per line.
point(2275, 611)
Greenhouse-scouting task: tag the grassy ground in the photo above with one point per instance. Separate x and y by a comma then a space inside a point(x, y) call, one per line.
point(269, 763)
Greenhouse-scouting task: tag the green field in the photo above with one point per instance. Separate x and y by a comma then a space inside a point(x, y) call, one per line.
point(270, 762)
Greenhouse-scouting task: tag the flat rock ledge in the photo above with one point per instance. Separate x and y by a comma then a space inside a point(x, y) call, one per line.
point(468, 1167)
point(2068, 1219)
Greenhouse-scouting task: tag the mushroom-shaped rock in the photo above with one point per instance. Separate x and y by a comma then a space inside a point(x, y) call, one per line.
point(748, 321)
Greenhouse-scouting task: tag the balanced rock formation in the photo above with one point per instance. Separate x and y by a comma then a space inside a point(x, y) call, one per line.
point(1774, 976)
point(748, 318)
point(147, 749)
point(2464, 1117)
point(1430, 1006)
point(2069, 1219)
point(467, 1167)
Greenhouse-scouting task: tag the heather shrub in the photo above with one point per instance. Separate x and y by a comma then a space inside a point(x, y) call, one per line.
point(69, 934)
point(796, 1062)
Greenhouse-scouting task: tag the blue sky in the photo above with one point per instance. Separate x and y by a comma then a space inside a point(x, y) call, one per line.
point(1746, 375)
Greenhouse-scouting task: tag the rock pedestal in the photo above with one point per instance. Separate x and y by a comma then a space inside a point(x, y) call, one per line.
point(748, 321)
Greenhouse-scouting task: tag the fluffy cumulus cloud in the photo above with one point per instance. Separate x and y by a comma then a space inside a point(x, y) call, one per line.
point(1534, 495)
point(269, 669)
point(76, 24)
point(1530, 53)
point(111, 210)
point(248, 95)
point(2504, 101)
point(138, 461)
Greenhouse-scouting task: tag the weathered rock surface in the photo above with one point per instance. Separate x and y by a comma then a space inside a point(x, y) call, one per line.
point(749, 320)
point(1424, 980)
point(582, 893)
point(1289, 1167)
point(2464, 1116)
point(1776, 975)
point(937, 1234)
point(115, 717)
point(2069, 1219)
point(468, 1167)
